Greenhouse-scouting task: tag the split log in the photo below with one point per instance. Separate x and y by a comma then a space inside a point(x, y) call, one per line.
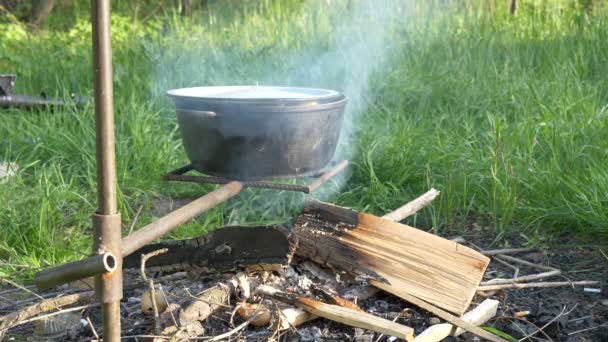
point(478, 316)
point(341, 314)
point(427, 266)
point(454, 320)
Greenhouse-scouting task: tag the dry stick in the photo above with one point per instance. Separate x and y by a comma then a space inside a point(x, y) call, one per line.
point(440, 313)
point(541, 284)
point(92, 328)
point(412, 207)
point(587, 329)
point(162, 292)
point(150, 282)
point(501, 258)
point(12, 319)
point(563, 312)
point(394, 320)
point(478, 316)
point(233, 331)
point(37, 318)
point(20, 287)
point(541, 275)
point(514, 268)
point(135, 219)
point(503, 251)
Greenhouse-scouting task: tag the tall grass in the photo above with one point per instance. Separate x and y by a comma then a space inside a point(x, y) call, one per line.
point(507, 116)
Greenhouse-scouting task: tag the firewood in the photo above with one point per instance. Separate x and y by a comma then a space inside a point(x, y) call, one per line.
point(478, 316)
point(454, 320)
point(341, 314)
point(427, 266)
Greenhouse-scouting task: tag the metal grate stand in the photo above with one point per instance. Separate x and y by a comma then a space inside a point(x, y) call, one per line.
point(179, 175)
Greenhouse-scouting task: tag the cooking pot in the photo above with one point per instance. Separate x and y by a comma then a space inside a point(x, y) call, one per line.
point(255, 132)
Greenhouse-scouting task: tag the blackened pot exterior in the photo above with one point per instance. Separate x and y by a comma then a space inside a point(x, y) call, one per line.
point(256, 141)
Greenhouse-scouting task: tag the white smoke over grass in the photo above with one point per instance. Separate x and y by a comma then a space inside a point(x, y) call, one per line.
point(344, 45)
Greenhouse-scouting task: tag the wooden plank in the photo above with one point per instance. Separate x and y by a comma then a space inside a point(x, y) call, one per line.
point(424, 265)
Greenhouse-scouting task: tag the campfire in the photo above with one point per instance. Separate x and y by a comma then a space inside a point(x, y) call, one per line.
point(269, 282)
point(265, 282)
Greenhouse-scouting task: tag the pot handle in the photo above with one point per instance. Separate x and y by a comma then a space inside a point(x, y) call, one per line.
point(198, 112)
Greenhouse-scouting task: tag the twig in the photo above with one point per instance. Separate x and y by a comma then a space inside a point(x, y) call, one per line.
point(524, 262)
point(37, 318)
point(523, 320)
point(412, 207)
point(17, 289)
point(587, 329)
point(542, 284)
point(144, 258)
point(521, 279)
point(21, 287)
point(394, 320)
point(231, 332)
point(506, 251)
point(162, 292)
point(145, 336)
point(92, 328)
point(514, 268)
point(135, 219)
point(563, 312)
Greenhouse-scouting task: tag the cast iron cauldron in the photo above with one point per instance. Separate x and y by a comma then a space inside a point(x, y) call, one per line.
point(255, 132)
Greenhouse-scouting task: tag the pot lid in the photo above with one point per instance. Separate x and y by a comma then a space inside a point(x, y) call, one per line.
point(255, 93)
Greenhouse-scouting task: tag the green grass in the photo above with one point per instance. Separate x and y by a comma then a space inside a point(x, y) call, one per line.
point(507, 116)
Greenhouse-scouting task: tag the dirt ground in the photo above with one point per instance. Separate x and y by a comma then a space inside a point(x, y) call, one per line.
point(564, 313)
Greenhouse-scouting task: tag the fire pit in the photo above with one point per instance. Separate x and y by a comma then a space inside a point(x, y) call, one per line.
point(254, 132)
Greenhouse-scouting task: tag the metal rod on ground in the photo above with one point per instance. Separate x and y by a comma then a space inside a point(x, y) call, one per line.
point(168, 222)
point(91, 266)
point(106, 222)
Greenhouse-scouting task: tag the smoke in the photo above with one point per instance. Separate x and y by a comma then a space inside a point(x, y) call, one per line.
point(339, 44)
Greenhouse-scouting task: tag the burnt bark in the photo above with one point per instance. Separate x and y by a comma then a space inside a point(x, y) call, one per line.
point(224, 249)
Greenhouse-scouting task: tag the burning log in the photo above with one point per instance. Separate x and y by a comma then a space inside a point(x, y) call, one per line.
point(405, 259)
